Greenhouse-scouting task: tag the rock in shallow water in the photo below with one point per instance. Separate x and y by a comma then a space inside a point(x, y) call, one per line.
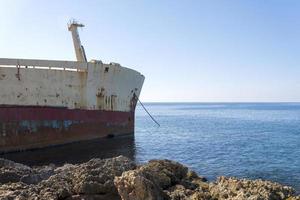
point(120, 178)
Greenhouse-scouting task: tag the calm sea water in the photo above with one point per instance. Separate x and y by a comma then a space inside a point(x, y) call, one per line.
point(252, 140)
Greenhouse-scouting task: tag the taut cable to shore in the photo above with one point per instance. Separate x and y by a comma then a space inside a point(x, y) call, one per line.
point(148, 112)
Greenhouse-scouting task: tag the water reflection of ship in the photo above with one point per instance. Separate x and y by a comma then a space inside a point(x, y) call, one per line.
point(77, 152)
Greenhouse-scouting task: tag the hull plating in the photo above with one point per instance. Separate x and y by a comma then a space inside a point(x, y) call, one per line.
point(27, 127)
point(44, 103)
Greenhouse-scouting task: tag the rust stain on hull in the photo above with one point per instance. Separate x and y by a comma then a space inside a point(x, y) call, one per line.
point(28, 127)
point(51, 102)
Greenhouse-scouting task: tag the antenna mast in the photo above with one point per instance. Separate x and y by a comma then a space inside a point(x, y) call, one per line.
point(79, 50)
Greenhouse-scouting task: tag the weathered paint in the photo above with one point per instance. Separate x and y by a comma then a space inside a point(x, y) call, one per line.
point(97, 87)
point(79, 50)
point(45, 102)
point(58, 104)
point(30, 127)
point(43, 63)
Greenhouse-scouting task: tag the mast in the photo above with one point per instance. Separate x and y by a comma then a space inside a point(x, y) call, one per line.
point(79, 50)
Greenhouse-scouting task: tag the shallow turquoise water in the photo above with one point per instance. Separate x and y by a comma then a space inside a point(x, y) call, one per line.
point(252, 140)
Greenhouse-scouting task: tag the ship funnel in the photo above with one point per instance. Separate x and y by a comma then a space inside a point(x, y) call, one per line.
point(79, 50)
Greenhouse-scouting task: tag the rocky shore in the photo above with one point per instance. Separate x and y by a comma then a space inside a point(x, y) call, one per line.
point(120, 178)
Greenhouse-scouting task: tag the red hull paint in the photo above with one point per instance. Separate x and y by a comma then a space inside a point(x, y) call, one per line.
point(28, 127)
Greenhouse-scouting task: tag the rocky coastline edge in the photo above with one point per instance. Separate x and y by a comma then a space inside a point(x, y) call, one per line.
point(121, 178)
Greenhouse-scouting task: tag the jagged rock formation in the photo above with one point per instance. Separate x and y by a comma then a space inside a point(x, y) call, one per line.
point(90, 180)
point(235, 189)
point(120, 178)
point(161, 179)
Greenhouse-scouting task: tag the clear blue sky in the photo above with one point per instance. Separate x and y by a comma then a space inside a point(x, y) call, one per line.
point(226, 50)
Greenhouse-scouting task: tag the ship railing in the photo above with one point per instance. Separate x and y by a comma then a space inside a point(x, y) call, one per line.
point(44, 64)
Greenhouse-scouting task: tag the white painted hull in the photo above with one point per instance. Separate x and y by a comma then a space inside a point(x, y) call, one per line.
point(98, 86)
point(45, 103)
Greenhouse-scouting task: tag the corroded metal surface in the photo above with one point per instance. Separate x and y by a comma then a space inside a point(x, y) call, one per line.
point(30, 127)
point(43, 106)
point(79, 50)
point(97, 87)
point(43, 63)
point(44, 102)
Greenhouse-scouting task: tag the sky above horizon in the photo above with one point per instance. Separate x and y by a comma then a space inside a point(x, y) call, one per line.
point(194, 50)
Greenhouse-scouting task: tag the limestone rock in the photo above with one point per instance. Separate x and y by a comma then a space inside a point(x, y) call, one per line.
point(90, 180)
point(119, 178)
point(135, 186)
point(12, 172)
point(159, 179)
point(240, 189)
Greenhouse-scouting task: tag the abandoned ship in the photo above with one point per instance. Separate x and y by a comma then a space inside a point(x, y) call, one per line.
point(49, 102)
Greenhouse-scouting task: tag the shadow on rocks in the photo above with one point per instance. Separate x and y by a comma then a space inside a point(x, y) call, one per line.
point(119, 178)
point(90, 180)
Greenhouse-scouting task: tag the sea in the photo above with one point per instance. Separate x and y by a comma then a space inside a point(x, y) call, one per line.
point(243, 140)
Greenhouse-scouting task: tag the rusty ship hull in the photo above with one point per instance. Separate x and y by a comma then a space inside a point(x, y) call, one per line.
point(29, 127)
point(45, 103)
point(51, 102)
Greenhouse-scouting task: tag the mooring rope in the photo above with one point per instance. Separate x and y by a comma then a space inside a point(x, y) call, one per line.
point(148, 112)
